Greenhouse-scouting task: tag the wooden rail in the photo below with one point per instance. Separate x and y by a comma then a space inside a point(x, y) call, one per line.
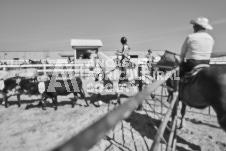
point(78, 69)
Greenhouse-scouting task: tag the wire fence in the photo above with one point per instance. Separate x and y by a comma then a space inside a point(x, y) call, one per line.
point(96, 131)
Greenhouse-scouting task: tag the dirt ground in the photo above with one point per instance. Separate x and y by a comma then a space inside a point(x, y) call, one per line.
point(29, 128)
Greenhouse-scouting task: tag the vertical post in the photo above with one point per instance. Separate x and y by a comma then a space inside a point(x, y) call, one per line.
point(75, 57)
point(44, 69)
point(4, 68)
point(80, 71)
point(84, 71)
point(75, 54)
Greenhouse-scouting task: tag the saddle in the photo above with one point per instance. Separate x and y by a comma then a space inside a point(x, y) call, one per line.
point(190, 77)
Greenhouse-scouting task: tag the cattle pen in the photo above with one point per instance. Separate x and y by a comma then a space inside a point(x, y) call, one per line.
point(165, 133)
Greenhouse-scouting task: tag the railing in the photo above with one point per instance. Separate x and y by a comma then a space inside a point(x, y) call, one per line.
point(80, 69)
point(77, 69)
point(91, 135)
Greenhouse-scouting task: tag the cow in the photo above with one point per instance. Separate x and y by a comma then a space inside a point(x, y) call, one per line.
point(10, 87)
point(53, 87)
point(10, 82)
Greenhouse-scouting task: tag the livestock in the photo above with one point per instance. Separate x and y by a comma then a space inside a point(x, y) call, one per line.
point(9, 87)
point(53, 87)
point(10, 83)
point(112, 73)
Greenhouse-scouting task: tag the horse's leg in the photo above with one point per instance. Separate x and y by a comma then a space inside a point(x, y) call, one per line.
point(140, 87)
point(82, 93)
point(73, 101)
point(43, 103)
point(220, 109)
point(18, 100)
point(170, 96)
point(98, 99)
point(222, 121)
point(139, 108)
point(118, 92)
point(118, 98)
point(5, 99)
point(183, 111)
point(41, 100)
point(55, 103)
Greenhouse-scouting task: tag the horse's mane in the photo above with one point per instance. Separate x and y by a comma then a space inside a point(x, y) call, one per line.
point(169, 59)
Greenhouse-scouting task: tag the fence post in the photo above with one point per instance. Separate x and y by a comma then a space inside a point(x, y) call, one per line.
point(80, 71)
point(4, 68)
point(44, 69)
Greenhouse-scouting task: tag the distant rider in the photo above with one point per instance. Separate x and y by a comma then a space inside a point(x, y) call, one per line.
point(124, 62)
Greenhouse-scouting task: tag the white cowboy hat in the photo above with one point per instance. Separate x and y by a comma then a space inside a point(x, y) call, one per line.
point(202, 21)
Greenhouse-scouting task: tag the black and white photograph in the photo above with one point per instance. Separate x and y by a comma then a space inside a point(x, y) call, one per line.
point(119, 75)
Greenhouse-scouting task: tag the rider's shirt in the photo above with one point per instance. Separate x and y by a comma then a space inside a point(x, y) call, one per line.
point(197, 46)
point(125, 50)
point(125, 56)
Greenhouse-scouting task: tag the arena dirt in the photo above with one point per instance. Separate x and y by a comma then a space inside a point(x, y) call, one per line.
point(29, 128)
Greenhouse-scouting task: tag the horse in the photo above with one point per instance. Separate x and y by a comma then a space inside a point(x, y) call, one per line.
point(110, 73)
point(205, 88)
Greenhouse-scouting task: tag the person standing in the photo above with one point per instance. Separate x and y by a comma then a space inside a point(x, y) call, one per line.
point(149, 56)
point(197, 47)
point(150, 59)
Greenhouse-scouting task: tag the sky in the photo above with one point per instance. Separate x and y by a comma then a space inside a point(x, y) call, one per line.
point(147, 24)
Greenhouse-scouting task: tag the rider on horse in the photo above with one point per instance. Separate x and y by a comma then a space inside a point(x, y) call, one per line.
point(124, 62)
point(197, 47)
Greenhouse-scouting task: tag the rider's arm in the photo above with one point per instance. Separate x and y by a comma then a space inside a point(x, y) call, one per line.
point(183, 50)
point(119, 53)
point(123, 52)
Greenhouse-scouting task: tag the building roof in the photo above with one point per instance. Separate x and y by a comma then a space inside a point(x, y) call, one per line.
point(86, 43)
point(67, 54)
point(218, 54)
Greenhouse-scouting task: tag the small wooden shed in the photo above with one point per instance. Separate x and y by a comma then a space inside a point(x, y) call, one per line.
point(83, 46)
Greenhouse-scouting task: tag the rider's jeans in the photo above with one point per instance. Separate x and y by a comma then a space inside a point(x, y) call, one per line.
point(190, 64)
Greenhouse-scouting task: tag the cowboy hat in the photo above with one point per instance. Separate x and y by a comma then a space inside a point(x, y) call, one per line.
point(202, 21)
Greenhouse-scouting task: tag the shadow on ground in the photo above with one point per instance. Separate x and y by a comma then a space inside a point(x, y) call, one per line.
point(145, 125)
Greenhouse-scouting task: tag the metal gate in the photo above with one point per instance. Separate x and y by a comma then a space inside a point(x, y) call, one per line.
point(95, 132)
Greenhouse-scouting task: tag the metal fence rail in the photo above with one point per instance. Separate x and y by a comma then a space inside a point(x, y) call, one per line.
point(91, 135)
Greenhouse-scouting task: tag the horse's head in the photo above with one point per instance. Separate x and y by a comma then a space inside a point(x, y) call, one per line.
point(169, 59)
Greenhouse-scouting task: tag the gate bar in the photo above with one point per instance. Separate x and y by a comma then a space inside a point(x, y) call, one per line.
point(159, 135)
